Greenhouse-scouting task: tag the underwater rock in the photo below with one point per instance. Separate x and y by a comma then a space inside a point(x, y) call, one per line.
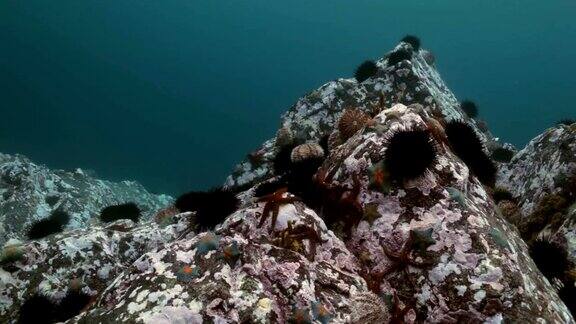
point(476, 255)
point(542, 177)
point(431, 247)
point(272, 276)
point(30, 192)
point(89, 259)
point(317, 114)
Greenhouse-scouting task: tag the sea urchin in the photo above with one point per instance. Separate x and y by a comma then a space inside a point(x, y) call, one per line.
point(409, 154)
point(365, 71)
point(550, 258)
point(211, 207)
point(469, 147)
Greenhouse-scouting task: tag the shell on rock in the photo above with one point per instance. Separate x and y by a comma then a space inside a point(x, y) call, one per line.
point(306, 151)
point(284, 136)
point(367, 307)
point(351, 121)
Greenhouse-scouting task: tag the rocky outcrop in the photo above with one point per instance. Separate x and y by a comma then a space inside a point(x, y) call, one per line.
point(90, 258)
point(542, 180)
point(366, 248)
point(316, 115)
point(29, 192)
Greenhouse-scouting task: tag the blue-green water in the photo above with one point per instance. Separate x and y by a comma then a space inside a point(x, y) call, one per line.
point(174, 93)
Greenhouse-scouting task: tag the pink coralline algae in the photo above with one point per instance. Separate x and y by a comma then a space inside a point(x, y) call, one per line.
point(384, 240)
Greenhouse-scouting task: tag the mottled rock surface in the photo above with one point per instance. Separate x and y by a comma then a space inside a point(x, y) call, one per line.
point(434, 249)
point(29, 192)
point(316, 114)
point(91, 258)
point(542, 179)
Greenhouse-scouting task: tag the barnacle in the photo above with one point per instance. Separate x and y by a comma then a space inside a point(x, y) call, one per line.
point(367, 307)
point(351, 121)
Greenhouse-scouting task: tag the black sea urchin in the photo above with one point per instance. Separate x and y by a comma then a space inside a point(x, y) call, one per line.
point(365, 71)
point(500, 194)
point(502, 154)
point(412, 40)
point(55, 223)
point(399, 56)
point(37, 309)
point(409, 154)
point(281, 162)
point(550, 257)
point(72, 304)
point(269, 187)
point(121, 211)
point(566, 122)
point(469, 108)
point(469, 147)
point(568, 295)
point(211, 207)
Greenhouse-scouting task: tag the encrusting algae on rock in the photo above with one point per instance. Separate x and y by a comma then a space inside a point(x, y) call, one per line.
point(394, 224)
